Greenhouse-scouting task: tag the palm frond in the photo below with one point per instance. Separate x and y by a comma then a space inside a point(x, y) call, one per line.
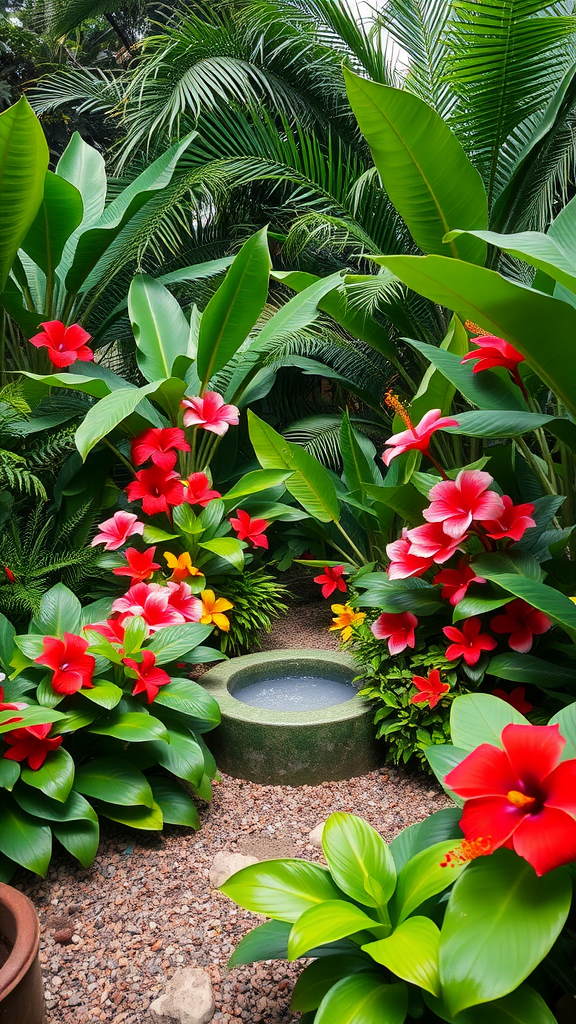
point(418, 27)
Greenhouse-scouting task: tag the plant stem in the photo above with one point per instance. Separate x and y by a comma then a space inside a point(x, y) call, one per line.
point(363, 560)
point(119, 454)
point(547, 484)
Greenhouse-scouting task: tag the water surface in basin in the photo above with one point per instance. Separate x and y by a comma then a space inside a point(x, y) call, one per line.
point(295, 693)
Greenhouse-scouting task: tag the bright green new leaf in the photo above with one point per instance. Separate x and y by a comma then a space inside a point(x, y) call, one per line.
point(149, 819)
point(423, 876)
point(267, 941)
point(328, 922)
point(281, 889)
point(59, 214)
point(84, 167)
point(160, 327)
point(534, 247)
point(28, 717)
point(105, 694)
point(254, 482)
point(108, 413)
point(228, 548)
point(359, 860)
point(363, 999)
point(319, 977)
point(111, 778)
point(552, 602)
point(423, 166)
point(23, 165)
point(411, 952)
point(434, 829)
point(170, 643)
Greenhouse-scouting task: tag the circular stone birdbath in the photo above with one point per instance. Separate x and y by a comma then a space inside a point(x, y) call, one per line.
point(291, 717)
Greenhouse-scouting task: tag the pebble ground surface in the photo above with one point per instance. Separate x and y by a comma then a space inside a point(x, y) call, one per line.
point(146, 909)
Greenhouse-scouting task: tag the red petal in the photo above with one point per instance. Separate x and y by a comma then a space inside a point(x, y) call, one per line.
point(492, 818)
point(546, 840)
point(485, 772)
point(534, 751)
point(561, 787)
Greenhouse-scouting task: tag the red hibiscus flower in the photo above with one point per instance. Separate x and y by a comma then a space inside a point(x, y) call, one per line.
point(65, 344)
point(430, 690)
point(431, 541)
point(331, 580)
point(72, 667)
point(150, 602)
point(149, 679)
point(251, 530)
point(209, 412)
point(522, 622)
point(114, 532)
point(197, 490)
point(492, 352)
point(397, 628)
point(521, 797)
point(159, 444)
point(512, 522)
point(10, 707)
point(417, 437)
point(456, 503)
point(468, 642)
point(182, 600)
point(141, 564)
point(516, 699)
point(31, 744)
point(403, 562)
point(158, 490)
point(455, 582)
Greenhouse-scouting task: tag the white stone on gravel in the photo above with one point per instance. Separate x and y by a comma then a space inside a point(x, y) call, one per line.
point(225, 864)
point(188, 999)
point(315, 836)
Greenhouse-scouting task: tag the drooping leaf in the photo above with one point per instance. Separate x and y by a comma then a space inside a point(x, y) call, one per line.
point(23, 164)
point(113, 779)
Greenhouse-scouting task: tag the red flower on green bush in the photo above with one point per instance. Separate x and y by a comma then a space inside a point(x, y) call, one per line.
point(468, 642)
point(522, 797)
point(397, 628)
point(331, 580)
point(418, 437)
point(492, 352)
point(160, 444)
point(431, 689)
point(197, 490)
point(140, 564)
point(209, 412)
point(149, 678)
point(455, 582)
point(522, 622)
point(458, 503)
point(72, 667)
point(158, 490)
point(65, 344)
point(516, 699)
point(251, 530)
point(512, 522)
point(432, 541)
point(31, 744)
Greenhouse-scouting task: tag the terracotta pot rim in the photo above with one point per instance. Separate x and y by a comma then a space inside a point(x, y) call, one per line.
point(25, 948)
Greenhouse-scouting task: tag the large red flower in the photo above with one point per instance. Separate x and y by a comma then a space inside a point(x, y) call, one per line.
point(197, 490)
point(512, 522)
point(72, 667)
point(468, 642)
point(492, 352)
point(521, 797)
point(397, 628)
point(403, 562)
point(158, 490)
point(457, 503)
point(31, 744)
point(430, 690)
point(149, 678)
point(251, 530)
point(141, 564)
point(159, 444)
point(331, 580)
point(522, 622)
point(417, 437)
point(455, 582)
point(65, 344)
point(431, 541)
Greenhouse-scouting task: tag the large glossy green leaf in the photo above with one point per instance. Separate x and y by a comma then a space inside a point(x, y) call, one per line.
point(523, 1006)
point(160, 327)
point(176, 805)
point(500, 922)
point(411, 952)
point(228, 548)
point(281, 889)
point(310, 483)
point(525, 668)
point(74, 808)
point(423, 166)
point(234, 308)
point(363, 999)
point(95, 240)
point(442, 758)
point(23, 164)
point(188, 698)
point(23, 839)
point(83, 166)
point(29, 716)
point(319, 977)
point(182, 756)
point(149, 819)
point(510, 310)
point(113, 779)
point(80, 838)
point(488, 423)
point(254, 482)
point(486, 390)
point(55, 777)
point(537, 249)
point(108, 413)
point(328, 922)
point(423, 876)
point(130, 726)
point(59, 214)
point(359, 860)
point(267, 941)
point(9, 774)
point(105, 694)
point(479, 718)
point(172, 642)
point(60, 612)
point(359, 468)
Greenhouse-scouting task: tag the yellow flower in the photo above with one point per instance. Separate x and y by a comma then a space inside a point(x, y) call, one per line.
point(212, 608)
point(345, 618)
point(182, 566)
point(572, 599)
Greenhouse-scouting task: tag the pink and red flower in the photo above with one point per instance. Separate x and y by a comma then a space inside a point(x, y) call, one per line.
point(457, 503)
point(210, 413)
point(403, 562)
point(516, 699)
point(65, 344)
point(522, 622)
point(158, 490)
point(149, 678)
point(183, 602)
point(397, 628)
point(197, 490)
point(431, 541)
point(468, 642)
point(72, 667)
point(10, 707)
point(417, 437)
point(522, 797)
point(114, 532)
point(492, 352)
point(512, 522)
point(141, 564)
point(251, 530)
point(161, 445)
point(430, 689)
point(455, 582)
point(331, 580)
point(31, 744)
point(150, 601)
point(111, 630)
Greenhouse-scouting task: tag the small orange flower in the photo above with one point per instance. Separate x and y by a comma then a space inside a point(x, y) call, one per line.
point(212, 608)
point(345, 617)
point(181, 566)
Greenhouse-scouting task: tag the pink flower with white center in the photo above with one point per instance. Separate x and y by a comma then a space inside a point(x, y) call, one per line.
point(403, 562)
point(183, 602)
point(457, 503)
point(430, 541)
point(209, 412)
point(114, 532)
point(151, 602)
point(397, 628)
point(417, 437)
point(512, 522)
point(455, 582)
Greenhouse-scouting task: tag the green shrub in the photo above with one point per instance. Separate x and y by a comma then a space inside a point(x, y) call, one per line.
point(258, 598)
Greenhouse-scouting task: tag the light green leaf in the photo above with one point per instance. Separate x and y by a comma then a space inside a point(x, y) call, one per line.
point(108, 413)
point(359, 860)
point(553, 603)
point(411, 952)
point(434, 829)
point(228, 548)
point(320, 975)
point(479, 718)
point(566, 721)
point(254, 482)
point(160, 327)
point(267, 941)
point(60, 612)
point(149, 819)
point(536, 249)
point(23, 164)
point(188, 698)
point(27, 717)
point(523, 1006)
point(105, 694)
point(328, 922)
point(422, 877)
point(170, 643)
point(281, 889)
point(363, 999)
